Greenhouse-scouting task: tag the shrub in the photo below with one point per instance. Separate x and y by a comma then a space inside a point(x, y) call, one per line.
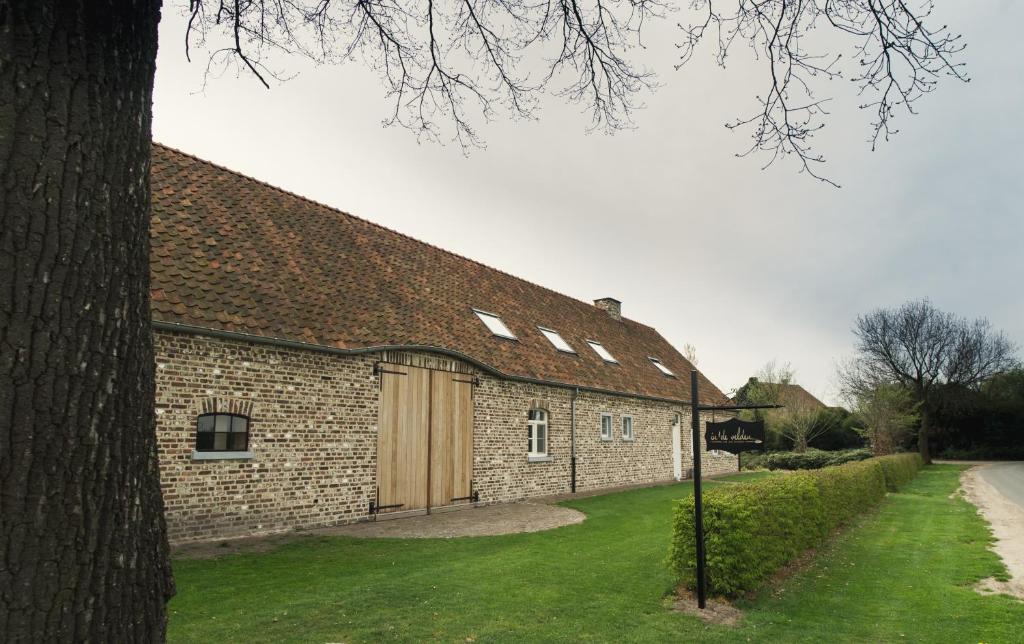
point(813, 459)
point(900, 468)
point(753, 529)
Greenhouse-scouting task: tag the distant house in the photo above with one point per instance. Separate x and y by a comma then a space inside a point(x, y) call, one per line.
point(314, 368)
point(786, 393)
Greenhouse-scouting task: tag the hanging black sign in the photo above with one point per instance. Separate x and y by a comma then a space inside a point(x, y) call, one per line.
point(735, 435)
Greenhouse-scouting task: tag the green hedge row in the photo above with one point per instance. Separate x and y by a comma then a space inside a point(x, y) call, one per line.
point(812, 459)
point(754, 529)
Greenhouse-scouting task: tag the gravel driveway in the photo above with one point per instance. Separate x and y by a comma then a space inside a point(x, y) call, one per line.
point(1008, 478)
point(996, 489)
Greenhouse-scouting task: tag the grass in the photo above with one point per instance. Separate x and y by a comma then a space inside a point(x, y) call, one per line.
point(902, 573)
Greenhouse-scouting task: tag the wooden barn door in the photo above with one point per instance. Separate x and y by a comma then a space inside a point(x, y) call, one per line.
point(402, 439)
point(451, 439)
point(425, 439)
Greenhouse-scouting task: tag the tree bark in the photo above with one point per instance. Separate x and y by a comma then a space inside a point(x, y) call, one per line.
point(923, 434)
point(83, 547)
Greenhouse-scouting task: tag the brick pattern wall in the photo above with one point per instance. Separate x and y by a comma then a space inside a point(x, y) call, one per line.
point(312, 431)
point(313, 435)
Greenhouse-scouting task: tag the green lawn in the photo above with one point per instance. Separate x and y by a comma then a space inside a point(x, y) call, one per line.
point(902, 574)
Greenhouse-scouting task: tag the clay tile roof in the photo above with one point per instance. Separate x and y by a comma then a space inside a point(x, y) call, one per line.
point(234, 254)
point(796, 395)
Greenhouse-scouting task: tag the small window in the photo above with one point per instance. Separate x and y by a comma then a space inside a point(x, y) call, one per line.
point(627, 428)
point(601, 351)
point(495, 325)
point(662, 368)
point(606, 427)
point(556, 340)
point(222, 433)
point(537, 433)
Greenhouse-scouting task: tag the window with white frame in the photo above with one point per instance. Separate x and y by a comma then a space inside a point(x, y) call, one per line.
point(606, 427)
point(662, 368)
point(557, 340)
point(495, 324)
point(627, 428)
point(601, 351)
point(537, 433)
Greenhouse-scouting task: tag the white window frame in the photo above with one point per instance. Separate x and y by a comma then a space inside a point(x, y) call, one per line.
point(631, 436)
point(661, 367)
point(611, 427)
point(495, 325)
point(602, 352)
point(556, 339)
point(532, 427)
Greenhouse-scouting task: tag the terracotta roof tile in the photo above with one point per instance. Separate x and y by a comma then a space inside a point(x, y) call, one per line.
point(232, 253)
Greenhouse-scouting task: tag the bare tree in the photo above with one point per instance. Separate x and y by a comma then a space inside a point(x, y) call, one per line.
point(690, 353)
point(798, 420)
point(889, 415)
point(82, 536)
point(921, 348)
point(766, 388)
point(898, 56)
point(439, 62)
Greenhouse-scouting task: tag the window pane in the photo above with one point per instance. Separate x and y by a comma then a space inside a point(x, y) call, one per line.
point(541, 446)
point(237, 441)
point(223, 423)
point(557, 340)
point(601, 351)
point(206, 423)
point(535, 414)
point(204, 441)
point(662, 368)
point(542, 432)
point(239, 424)
point(220, 441)
point(495, 325)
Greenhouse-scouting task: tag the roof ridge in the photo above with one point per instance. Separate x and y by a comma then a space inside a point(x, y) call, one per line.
point(379, 226)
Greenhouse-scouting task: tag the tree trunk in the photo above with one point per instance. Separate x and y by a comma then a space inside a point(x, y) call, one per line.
point(923, 434)
point(83, 546)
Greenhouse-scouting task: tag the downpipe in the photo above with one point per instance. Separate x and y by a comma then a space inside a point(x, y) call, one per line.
point(572, 440)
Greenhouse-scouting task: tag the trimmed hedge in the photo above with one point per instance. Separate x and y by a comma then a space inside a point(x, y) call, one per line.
point(900, 469)
point(812, 459)
point(751, 530)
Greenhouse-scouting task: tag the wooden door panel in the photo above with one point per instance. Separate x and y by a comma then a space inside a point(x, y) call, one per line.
point(451, 445)
point(425, 438)
point(402, 438)
point(440, 440)
point(462, 437)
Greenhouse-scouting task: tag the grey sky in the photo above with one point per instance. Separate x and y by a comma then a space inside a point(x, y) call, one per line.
point(745, 265)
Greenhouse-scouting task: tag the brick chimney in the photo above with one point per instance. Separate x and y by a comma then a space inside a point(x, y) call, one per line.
point(611, 306)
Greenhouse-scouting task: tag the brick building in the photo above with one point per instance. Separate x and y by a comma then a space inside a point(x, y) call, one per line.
point(315, 369)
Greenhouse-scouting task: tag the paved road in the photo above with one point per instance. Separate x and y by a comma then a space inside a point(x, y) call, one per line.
point(1008, 478)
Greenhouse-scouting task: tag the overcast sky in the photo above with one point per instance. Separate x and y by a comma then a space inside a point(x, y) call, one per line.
point(746, 265)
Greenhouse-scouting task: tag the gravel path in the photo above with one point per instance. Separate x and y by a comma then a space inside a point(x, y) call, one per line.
point(506, 518)
point(1007, 520)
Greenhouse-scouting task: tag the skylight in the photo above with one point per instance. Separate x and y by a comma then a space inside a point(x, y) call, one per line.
point(556, 340)
point(662, 368)
point(601, 351)
point(495, 325)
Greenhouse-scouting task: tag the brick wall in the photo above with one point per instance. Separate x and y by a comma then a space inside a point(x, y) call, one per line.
point(313, 436)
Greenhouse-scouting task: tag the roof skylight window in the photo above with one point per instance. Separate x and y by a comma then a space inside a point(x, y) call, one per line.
point(495, 325)
point(601, 351)
point(662, 368)
point(556, 340)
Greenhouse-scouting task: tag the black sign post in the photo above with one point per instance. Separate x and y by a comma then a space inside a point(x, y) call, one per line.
point(698, 501)
point(733, 435)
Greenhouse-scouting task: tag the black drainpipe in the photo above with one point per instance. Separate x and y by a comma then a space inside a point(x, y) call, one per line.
point(572, 441)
